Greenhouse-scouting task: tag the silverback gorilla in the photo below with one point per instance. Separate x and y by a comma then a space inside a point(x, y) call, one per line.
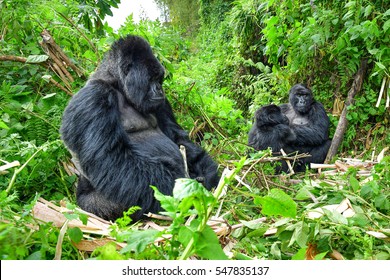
point(122, 131)
point(308, 128)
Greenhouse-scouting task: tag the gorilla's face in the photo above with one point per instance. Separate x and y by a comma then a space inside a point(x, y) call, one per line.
point(141, 76)
point(269, 115)
point(301, 98)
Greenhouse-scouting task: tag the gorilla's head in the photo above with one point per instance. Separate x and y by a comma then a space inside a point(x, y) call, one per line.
point(270, 115)
point(138, 73)
point(301, 98)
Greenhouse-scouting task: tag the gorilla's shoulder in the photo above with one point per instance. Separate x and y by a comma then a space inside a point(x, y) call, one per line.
point(95, 93)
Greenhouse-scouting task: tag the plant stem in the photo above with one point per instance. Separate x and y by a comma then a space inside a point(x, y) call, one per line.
point(17, 171)
point(226, 177)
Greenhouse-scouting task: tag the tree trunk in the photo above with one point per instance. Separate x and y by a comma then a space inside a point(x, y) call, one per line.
point(343, 122)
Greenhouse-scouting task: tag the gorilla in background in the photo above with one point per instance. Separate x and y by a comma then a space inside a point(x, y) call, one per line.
point(121, 130)
point(309, 129)
point(270, 129)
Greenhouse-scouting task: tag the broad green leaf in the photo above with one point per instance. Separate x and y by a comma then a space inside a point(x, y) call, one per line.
point(382, 202)
point(3, 125)
point(252, 224)
point(335, 217)
point(359, 219)
point(107, 252)
point(49, 95)
point(382, 256)
point(47, 78)
point(167, 202)
point(354, 183)
point(83, 218)
point(35, 256)
point(380, 65)
point(275, 251)
point(37, 58)
point(300, 235)
point(208, 247)
point(386, 25)
point(139, 239)
point(75, 234)
point(188, 187)
point(185, 235)
point(71, 216)
point(320, 256)
point(300, 255)
point(191, 193)
point(258, 232)
point(368, 11)
point(277, 203)
point(303, 194)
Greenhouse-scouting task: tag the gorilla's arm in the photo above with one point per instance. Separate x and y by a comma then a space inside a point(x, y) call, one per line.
point(92, 129)
point(315, 132)
point(199, 162)
point(274, 136)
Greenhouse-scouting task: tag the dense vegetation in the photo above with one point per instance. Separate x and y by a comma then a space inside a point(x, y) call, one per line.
point(222, 63)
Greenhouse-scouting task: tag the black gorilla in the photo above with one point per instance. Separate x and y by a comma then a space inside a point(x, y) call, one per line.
point(121, 129)
point(309, 128)
point(270, 129)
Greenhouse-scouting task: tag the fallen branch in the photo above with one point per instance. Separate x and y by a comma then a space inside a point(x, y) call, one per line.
point(46, 211)
point(288, 162)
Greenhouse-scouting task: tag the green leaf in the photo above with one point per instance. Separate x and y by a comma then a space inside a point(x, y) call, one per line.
point(188, 187)
point(167, 202)
point(3, 125)
point(139, 239)
point(300, 255)
point(382, 202)
point(386, 25)
point(107, 252)
point(335, 217)
point(368, 11)
point(359, 219)
point(37, 58)
point(320, 256)
point(191, 193)
point(300, 235)
point(316, 38)
point(380, 65)
point(354, 183)
point(277, 203)
point(208, 247)
point(275, 251)
point(185, 235)
point(83, 218)
point(71, 216)
point(49, 95)
point(303, 194)
point(75, 234)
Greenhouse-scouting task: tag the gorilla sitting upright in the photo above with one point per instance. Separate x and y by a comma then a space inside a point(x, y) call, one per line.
point(121, 129)
point(309, 129)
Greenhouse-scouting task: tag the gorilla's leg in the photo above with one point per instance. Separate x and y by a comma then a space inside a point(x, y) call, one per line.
point(318, 153)
point(90, 200)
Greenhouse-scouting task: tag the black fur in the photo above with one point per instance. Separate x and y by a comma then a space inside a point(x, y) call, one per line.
point(271, 129)
point(309, 129)
point(121, 129)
